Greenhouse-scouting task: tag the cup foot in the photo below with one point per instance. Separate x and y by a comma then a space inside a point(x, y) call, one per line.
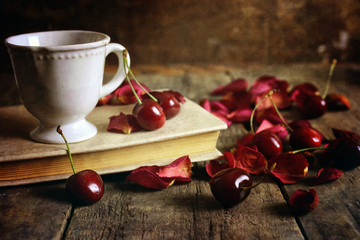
point(74, 132)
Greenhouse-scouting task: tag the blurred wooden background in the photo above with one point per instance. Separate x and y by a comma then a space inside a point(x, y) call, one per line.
point(201, 32)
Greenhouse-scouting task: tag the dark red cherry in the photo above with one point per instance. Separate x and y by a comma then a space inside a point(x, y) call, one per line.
point(313, 106)
point(85, 187)
point(149, 114)
point(168, 103)
point(231, 186)
point(305, 137)
point(268, 143)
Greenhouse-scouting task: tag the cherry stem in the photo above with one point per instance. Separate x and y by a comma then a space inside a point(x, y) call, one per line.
point(137, 82)
point(307, 149)
point(58, 129)
point(279, 114)
point(261, 180)
point(254, 110)
point(331, 70)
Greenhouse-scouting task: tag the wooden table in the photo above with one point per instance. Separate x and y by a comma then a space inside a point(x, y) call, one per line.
point(189, 211)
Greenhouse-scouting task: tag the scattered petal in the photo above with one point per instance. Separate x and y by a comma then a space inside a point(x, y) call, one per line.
point(339, 133)
point(180, 170)
point(240, 115)
point(250, 160)
point(125, 123)
point(125, 94)
point(236, 85)
point(234, 100)
point(302, 201)
point(290, 168)
point(147, 177)
point(337, 101)
point(106, 99)
point(214, 166)
point(327, 175)
point(156, 177)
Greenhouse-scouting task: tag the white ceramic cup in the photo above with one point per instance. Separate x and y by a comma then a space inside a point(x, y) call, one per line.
point(59, 75)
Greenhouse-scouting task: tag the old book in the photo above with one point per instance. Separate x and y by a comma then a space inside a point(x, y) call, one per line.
point(193, 132)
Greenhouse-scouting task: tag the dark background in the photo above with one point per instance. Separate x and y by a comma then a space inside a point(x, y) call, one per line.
point(200, 32)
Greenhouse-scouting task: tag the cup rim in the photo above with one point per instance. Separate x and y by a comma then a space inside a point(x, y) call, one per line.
point(105, 39)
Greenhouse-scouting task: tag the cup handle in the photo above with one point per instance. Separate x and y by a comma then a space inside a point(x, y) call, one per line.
point(120, 74)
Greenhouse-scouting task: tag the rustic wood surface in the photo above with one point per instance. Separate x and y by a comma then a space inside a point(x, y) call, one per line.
point(189, 211)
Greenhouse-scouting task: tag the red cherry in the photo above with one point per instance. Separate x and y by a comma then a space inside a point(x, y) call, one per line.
point(85, 187)
point(168, 103)
point(149, 114)
point(231, 186)
point(313, 106)
point(305, 137)
point(268, 143)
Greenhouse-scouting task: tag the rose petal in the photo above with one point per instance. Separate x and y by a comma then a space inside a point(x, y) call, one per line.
point(327, 175)
point(156, 177)
point(236, 85)
point(147, 177)
point(240, 115)
point(339, 133)
point(207, 105)
point(302, 201)
point(269, 114)
point(290, 168)
point(106, 99)
point(280, 99)
point(250, 160)
point(234, 100)
point(180, 170)
point(125, 123)
point(266, 83)
point(337, 101)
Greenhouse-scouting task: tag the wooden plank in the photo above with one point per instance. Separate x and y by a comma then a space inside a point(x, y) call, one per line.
point(34, 212)
point(184, 211)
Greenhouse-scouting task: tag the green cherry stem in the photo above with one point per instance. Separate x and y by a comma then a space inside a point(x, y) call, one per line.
point(137, 82)
point(279, 114)
point(307, 149)
point(58, 129)
point(254, 110)
point(331, 70)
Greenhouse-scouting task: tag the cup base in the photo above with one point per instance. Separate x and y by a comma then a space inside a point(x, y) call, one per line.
point(74, 132)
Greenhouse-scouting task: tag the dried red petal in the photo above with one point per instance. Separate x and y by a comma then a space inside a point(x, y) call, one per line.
point(266, 83)
point(269, 114)
point(281, 100)
point(125, 123)
point(234, 100)
point(302, 201)
point(236, 85)
point(106, 99)
point(290, 167)
point(337, 101)
point(125, 94)
point(180, 170)
point(339, 133)
point(278, 129)
point(249, 159)
point(147, 177)
point(221, 113)
point(327, 175)
point(240, 115)
point(156, 177)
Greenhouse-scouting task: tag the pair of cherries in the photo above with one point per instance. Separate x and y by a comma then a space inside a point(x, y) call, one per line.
point(151, 114)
